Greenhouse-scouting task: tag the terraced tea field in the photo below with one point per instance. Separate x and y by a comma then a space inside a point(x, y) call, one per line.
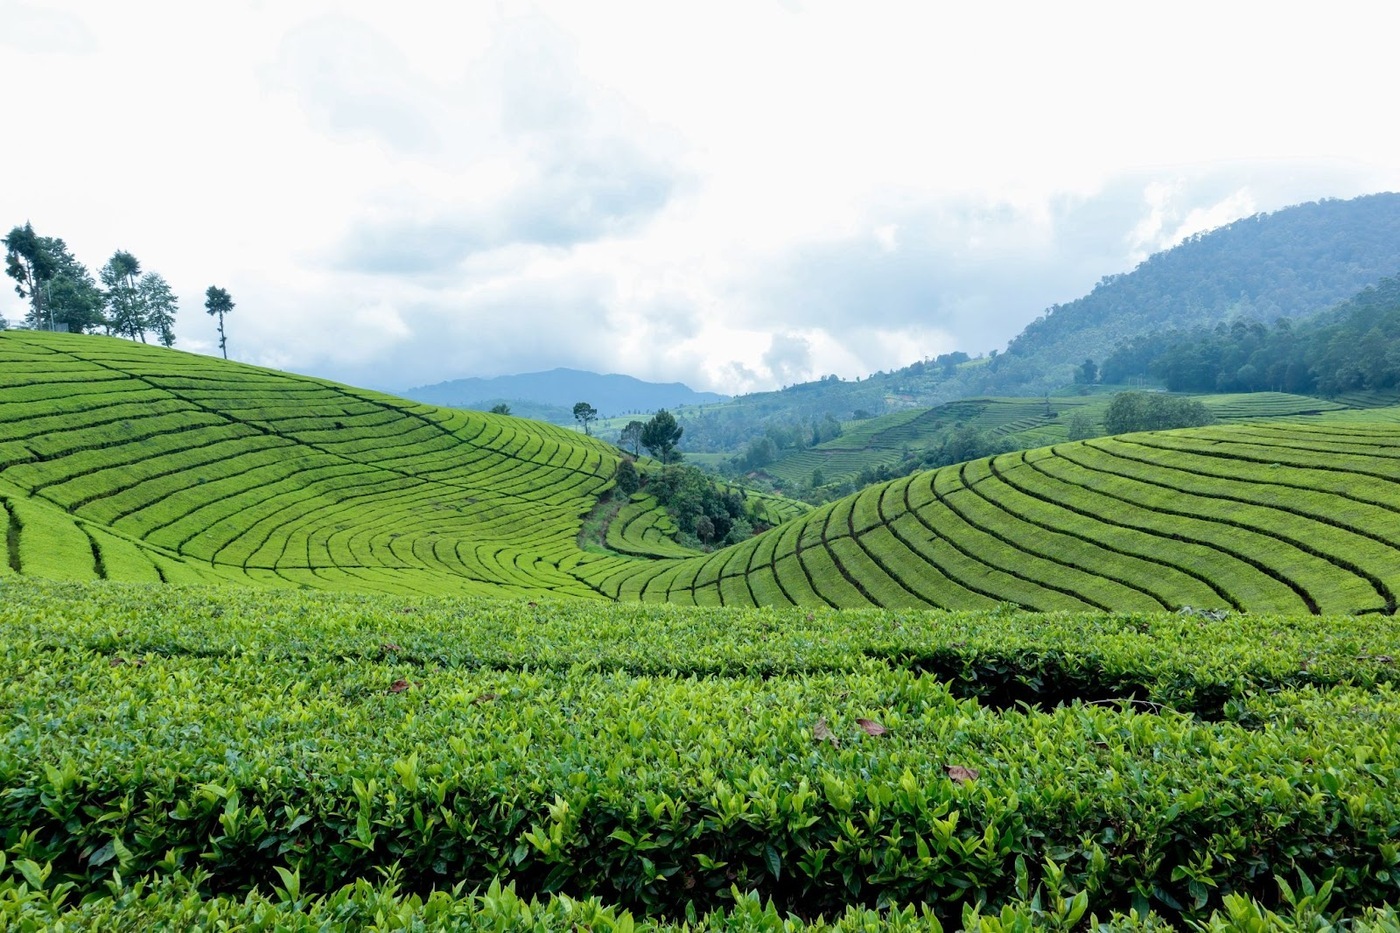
point(133, 463)
point(1258, 517)
point(400, 751)
point(1030, 422)
point(129, 462)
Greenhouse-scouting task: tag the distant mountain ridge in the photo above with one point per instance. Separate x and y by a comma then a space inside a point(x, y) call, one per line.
point(612, 394)
point(1289, 263)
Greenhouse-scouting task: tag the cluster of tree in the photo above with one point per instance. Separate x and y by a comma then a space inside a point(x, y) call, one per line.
point(660, 435)
point(780, 437)
point(1154, 411)
point(703, 511)
point(62, 293)
point(1353, 346)
point(705, 514)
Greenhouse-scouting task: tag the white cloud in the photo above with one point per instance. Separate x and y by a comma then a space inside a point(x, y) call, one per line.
point(736, 194)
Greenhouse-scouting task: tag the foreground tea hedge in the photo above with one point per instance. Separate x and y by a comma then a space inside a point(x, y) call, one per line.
point(660, 759)
point(27, 903)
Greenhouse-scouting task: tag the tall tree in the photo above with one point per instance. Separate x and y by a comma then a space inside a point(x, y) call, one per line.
point(585, 414)
point(31, 265)
point(158, 306)
point(218, 302)
point(631, 436)
point(660, 436)
point(125, 316)
point(72, 294)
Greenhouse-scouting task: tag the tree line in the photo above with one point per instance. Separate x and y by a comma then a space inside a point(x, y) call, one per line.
point(1354, 346)
point(123, 301)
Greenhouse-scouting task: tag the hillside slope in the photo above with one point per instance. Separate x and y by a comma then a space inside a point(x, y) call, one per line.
point(135, 463)
point(1252, 517)
point(129, 462)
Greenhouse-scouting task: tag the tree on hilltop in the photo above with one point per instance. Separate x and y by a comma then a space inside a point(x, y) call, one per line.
point(585, 414)
point(158, 306)
point(72, 295)
point(660, 436)
point(124, 312)
point(218, 302)
point(30, 265)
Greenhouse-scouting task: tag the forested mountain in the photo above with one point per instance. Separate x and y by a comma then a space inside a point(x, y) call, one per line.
point(1354, 346)
point(1287, 264)
point(551, 395)
point(1290, 263)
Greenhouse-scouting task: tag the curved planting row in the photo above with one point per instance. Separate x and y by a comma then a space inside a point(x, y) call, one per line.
point(127, 462)
point(1258, 517)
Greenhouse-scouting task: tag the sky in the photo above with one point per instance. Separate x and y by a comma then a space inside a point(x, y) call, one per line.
point(735, 195)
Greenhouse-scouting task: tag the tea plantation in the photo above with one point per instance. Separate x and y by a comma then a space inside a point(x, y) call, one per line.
point(284, 654)
point(347, 756)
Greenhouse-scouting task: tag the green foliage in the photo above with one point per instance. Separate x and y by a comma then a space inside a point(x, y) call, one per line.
point(158, 306)
point(125, 315)
point(627, 478)
point(218, 303)
point(700, 506)
point(585, 414)
point(630, 437)
point(993, 770)
point(1349, 348)
point(1080, 427)
point(1154, 411)
point(660, 435)
point(500, 408)
point(31, 265)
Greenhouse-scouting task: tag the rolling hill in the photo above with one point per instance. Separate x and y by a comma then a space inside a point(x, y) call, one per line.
point(1023, 423)
point(1250, 517)
point(127, 462)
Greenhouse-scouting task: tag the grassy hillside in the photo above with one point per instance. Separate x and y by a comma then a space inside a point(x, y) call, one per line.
point(129, 462)
point(1255, 517)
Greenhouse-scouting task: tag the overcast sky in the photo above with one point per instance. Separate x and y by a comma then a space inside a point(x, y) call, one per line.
point(735, 195)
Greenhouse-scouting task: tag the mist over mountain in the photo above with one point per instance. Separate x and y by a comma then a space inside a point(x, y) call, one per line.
point(1289, 264)
point(551, 395)
point(1286, 264)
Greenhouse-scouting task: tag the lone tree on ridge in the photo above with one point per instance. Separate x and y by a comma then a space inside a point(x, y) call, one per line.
point(218, 302)
point(585, 414)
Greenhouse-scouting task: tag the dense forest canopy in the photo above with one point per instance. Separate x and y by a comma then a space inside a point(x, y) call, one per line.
point(1287, 264)
point(1353, 346)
